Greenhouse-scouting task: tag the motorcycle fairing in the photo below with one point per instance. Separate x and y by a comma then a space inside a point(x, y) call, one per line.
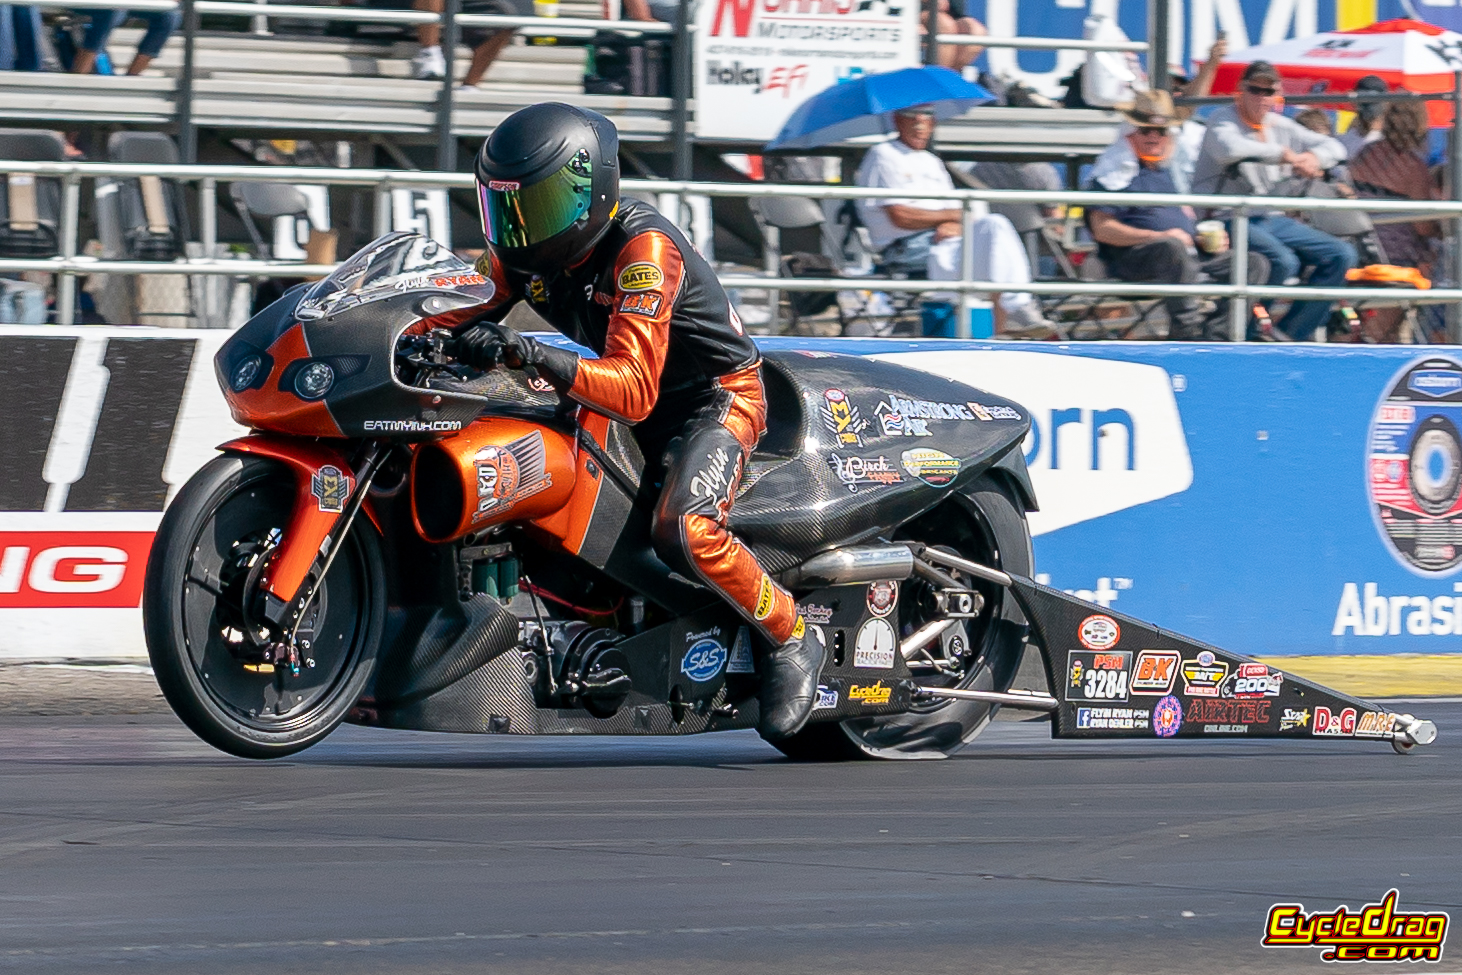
point(324, 481)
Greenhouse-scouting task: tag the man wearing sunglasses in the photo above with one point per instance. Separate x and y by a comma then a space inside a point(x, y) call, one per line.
point(1157, 243)
point(1250, 149)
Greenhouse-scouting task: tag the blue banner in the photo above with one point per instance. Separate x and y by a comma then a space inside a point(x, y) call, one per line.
point(1273, 500)
point(1193, 26)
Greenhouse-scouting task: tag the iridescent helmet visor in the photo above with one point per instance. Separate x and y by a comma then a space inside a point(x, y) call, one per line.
point(514, 215)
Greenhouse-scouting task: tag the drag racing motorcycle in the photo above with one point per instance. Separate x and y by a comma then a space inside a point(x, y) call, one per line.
point(405, 542)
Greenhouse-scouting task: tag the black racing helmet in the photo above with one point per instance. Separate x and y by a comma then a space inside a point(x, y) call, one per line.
point(548, 185)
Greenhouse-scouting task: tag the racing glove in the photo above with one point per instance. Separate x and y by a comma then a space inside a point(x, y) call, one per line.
point(484, 345)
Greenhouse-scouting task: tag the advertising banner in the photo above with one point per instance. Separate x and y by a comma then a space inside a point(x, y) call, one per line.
point(1193, 25)
point(1273, 500)
point(757, 60)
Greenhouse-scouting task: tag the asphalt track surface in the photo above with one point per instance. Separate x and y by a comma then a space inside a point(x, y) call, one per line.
point(125, 844)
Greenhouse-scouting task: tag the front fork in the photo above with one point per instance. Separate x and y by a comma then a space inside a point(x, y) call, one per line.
point(330, 493)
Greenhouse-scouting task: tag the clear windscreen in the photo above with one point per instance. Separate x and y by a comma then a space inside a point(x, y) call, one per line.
point(390, 265)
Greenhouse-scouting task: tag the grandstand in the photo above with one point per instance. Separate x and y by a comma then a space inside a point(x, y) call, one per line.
point(285, 85)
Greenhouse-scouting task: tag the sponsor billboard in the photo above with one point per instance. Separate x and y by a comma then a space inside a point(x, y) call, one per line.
point(1192, 27)
point(757, 60)
point(1274, 500)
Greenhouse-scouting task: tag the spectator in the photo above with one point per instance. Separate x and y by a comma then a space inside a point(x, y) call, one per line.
point(1365, 128)
point(487, 43)
point(1394, 168)
point(912, 231)
point(1200, 85)
point(1315, 120)
point(20, 38)
point(1118, 163)
point(160, 26)
point(1249, 149)
point(1157, 243)
point(665, 11)
point(953, 20)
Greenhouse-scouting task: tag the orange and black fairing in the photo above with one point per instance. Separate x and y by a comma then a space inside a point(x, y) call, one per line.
point(496, 470)
point(624, 381)
point(256, 398)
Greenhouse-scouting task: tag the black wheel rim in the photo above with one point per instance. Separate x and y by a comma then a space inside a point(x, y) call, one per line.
point(976, 542)
point(227, 556)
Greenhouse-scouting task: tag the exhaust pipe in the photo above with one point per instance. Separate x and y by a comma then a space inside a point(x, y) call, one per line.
point(851, 565)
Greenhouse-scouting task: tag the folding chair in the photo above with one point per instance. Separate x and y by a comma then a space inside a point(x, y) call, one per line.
point(151, 213)
point(30, 206)
point(266, 201)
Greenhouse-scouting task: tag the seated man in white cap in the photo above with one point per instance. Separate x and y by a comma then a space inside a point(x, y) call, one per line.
point(910, 230)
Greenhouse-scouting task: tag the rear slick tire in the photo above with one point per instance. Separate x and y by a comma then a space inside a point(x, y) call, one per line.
point(199, 575)
point(985, 522)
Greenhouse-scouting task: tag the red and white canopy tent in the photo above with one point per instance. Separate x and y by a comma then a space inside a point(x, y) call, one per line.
point(1407, 54)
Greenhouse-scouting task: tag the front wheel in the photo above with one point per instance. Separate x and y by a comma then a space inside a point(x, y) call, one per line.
point(986, 524)
point(197, 613)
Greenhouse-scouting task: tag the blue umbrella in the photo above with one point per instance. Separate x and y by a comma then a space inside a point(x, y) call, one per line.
point(866, 106)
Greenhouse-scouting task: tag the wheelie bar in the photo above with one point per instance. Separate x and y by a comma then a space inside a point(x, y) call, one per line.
point(1114, 676)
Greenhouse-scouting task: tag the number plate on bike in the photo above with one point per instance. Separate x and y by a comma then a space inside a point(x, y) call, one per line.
point(1093, 675)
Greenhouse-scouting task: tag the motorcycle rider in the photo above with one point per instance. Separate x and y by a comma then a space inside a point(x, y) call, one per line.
point(673, 359)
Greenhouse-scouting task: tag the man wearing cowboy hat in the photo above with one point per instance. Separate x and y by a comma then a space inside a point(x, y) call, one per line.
point(1158, 243)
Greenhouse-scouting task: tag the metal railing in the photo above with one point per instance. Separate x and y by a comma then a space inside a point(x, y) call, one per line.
point(68, 265)
point(682, 82)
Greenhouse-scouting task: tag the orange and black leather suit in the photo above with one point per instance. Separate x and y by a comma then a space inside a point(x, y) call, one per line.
point(675, 362)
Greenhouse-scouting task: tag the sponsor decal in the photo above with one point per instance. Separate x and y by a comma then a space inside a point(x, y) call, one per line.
point(537, 289)
point(1376, 932)
point(1167, 717)
point(503, 185)
point(331, 488)
point(1332, 725)
point(640, 276)
point(875, 645)
point(509, 474)
point(993, 412)
point(1203, 675)
point(799, 629)
point(540, 385)
point(1227, 717)
point(766, 598)
point(1111, 719)
point(72, 569)
point(1155, 672)
point(1376, 724)
point(646, 304)
point(923, 409)
point(827, 698)
point(1099, 632)
point(704, 660)
point(815, 613)
point(870, 694)
point(853, 471)
point(883, 596)
point(896, 424)
point(1253, 680)
point(1291, 718)
point(713, 481)
point(1093, 676)
point(933, 467)
point(740, 661)
point(458, 280)
point(811, 354)
point(842, 418)
point(412, 426)
point(1414, 467)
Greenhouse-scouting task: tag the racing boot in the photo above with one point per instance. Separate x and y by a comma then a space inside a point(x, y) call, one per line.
point(789, 683)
